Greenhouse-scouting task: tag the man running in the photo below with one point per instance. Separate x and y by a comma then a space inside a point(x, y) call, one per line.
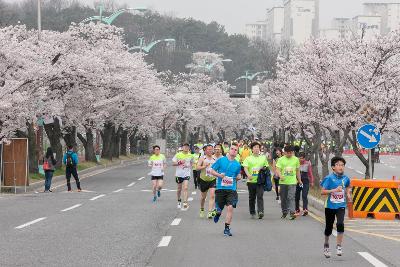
point(207, 181)
point(183, 162)
point(226, 147)
point(307, 178)
point(288, 169)
point(252, 166)
point(196, 173)
point(337, 187)
point(227, 171)
point(218, 153)
point(157, 162)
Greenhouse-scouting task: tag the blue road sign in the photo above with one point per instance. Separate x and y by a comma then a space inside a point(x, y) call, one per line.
point(368, 136)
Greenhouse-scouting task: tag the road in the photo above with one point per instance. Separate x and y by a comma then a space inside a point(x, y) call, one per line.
point(114, 223)
point(385, 170)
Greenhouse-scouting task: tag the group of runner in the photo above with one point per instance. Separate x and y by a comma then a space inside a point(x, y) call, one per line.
point(216, 169)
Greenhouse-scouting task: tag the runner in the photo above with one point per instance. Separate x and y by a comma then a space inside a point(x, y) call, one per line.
point(218, 153)
point(335, 186)
point(245, 152)
point(200, 146)
point(307, 178)
point(196, 174)
point(288, 169)
point(252, 166)
point(157, 162)
point(207, 182)
point(278, 154)
point(183, 162)
point(227, 171)
point(226, 148)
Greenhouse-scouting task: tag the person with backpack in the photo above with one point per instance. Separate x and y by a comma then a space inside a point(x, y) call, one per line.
point(49, 167)
point(71, 163)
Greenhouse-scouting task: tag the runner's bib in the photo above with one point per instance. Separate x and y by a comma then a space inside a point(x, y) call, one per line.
point(255, 172)
point(227, 181)
point(337, 197)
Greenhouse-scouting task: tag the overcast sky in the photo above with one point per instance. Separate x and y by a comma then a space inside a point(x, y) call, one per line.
point(234, 14)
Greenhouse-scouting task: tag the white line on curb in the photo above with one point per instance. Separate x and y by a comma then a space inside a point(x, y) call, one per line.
point(194, 193)
point(360, 172)
point(117, 191)
point(190, 199)
point(141, 178)
point(97, 197)
point(30, 223)
point(131, 184)
point(71, 208)
point(371, 259)
point(165, 241)
point(176, 221)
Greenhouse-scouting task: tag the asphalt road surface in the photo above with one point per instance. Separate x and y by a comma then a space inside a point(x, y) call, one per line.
point(113, 222)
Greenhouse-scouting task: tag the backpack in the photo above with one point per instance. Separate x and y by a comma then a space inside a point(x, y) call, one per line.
point(264, 178)
point(70, 161)
point(46, 164)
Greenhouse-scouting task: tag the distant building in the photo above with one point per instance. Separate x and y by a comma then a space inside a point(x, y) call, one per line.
point(341, 28)
point(389, 12)
point(368, 26)
point(275, 24)
point(301, 20)
point(256, 30)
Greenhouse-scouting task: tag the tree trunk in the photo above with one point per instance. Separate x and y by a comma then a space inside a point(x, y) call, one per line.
point(353, 141)
point(88, 143)
point(70, 136)
point(124, 143)
point(117, 142)
point(133, 142)
point(53, 132)
point(221, 136)
point(106, 136)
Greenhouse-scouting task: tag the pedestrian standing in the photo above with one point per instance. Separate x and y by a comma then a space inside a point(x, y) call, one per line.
point(71, 167)
point(49, 166)
point(307, 178)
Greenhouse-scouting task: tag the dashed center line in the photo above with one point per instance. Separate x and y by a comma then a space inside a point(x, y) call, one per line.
point(117, 191)
point(360, 172)
point(190, 199)
point(71, 208)
point(165, 241)
point(371, 259)
point(176, 221)
point(131, 184)
point(141, 178)
point(97, 197)
point(30, 223)
point(194, 193)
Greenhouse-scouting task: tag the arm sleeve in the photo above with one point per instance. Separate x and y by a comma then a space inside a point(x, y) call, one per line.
point(325, 183)
point(347, 182)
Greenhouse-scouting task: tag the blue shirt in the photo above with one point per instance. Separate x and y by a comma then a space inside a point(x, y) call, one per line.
point(231, 169)
point(73, 155)
point(335, 200)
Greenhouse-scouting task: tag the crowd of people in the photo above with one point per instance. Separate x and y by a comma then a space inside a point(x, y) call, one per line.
point(217, 168)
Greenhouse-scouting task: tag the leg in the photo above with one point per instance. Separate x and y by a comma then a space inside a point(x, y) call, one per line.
point(160, 183)
point(46, 181)
point(154, 186)
point(195, 178)
point(306, 188)
point(185, 190)
point(68, 176)
point(291, 195)
point(252, 197)
point(178, 192)
point(297, 198)
point(284, 195)
point(50, 178)
point(329, 220)
point(211, 200)
point(203, 199)
point(75, 174)
point(276, 183)
point(260, 198)
point(340, 226)
point(229, 214)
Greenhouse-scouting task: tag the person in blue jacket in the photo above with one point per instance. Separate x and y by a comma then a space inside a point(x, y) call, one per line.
point(71, 168)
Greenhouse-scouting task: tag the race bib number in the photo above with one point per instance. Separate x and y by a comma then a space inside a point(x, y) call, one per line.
point(208, 172)
point(288, 171)
point(337, 197)
point(255, 172)
point(227, 181)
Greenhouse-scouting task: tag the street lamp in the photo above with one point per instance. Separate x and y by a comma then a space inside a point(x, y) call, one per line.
point(109, 20)
point(250, 77)
point(146, 48)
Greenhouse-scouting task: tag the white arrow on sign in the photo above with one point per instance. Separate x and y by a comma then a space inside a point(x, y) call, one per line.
point(371, 138)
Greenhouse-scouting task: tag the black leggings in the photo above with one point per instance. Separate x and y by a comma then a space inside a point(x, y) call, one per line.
point(196, 177)
point(330, 219)
point(276, 183)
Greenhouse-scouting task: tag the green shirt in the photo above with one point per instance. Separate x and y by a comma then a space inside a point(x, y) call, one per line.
point(196, 157)
point(253, 164)
point(288, 167)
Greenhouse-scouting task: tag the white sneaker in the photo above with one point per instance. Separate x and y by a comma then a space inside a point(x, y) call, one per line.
point(185, 206)
point(179, 205)
point(327, 253)
point(339, 250)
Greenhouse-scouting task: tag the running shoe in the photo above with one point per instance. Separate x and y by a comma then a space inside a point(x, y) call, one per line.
point(227, 232)
point(210, 215)
point(327, 252)
point(252, 216)
point(214, 212)
point(292, 217)
point(277, 198)
point(201, 213)
point(159, 193)
point(260, 215)
point(339, 250)
point(154, 199)
point(284, 215)
point(79, 190)
point(185, 206)
point(179, 205)
point(305, 212)
point(297, 213)
point(216, 217)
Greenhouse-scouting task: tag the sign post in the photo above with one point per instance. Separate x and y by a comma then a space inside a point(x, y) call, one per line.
point(369, 136)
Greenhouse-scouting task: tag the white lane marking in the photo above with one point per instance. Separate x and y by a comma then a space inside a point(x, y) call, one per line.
point(97, 197)
point(119, 190)
point(30, 223)
point(87, 191)
point(146, 190)
point(351, 168)
point(71, 208)
point(334, 232)
point(141, 178)
point(190, 199)
point(360, 172)
point(371, 259)
point(164, 241)
point(393, 167)
point(131, 184)
point(176, 221)
point(194, 193)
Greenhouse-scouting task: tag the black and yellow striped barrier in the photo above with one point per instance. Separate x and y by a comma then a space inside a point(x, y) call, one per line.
point(379, 199)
